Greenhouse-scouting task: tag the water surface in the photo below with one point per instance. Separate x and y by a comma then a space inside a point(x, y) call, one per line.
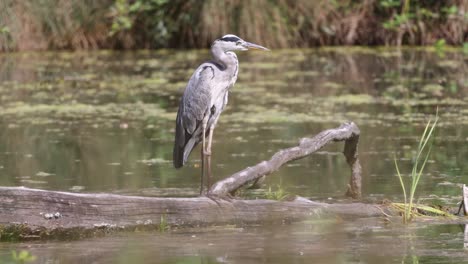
point(104, 122)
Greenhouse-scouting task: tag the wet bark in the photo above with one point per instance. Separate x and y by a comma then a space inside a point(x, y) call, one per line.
point(347, 132)
point(52, 210)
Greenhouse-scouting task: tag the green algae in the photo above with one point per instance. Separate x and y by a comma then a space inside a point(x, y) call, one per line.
point(433, 89)
point(107, 114)
point(285, 86)
point(348, 50)
point(353, 99)
point(300, 74)
point(25, 232)
point(449, 64)
point(332, 85)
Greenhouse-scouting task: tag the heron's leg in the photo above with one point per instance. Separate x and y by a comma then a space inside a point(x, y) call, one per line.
point(202, 156)
point(202, 159)
point(210, 138)
point(208, 173)
point(208, 155)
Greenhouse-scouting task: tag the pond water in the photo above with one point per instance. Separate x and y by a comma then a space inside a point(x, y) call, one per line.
point(360, 241)
point(104, 122)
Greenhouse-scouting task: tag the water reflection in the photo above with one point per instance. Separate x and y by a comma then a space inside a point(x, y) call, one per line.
point(465, 241)
point(323, 241)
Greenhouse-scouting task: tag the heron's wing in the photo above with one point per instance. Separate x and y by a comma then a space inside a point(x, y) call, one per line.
point(197, 97)
point(194, 105)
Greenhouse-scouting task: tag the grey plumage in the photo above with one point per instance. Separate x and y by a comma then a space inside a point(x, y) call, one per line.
point(195, 107)
point(206, 96)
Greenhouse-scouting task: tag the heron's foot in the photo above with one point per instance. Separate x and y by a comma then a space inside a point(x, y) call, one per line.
point(203, 192)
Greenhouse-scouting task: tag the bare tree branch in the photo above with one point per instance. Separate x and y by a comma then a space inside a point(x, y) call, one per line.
point(347, 132)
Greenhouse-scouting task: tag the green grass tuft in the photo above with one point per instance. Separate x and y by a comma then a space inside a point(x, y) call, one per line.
point(418, 166)
point(279, 194)
point(163, 225)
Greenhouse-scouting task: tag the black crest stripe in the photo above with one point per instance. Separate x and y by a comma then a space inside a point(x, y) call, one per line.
point(231, 39)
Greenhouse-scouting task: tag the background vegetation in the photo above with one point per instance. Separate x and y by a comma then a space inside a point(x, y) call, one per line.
point(131, 24)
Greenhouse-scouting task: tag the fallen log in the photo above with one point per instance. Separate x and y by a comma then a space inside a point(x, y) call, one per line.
point(41, 212)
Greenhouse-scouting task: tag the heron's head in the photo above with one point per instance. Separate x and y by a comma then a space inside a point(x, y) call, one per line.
point(232, 42)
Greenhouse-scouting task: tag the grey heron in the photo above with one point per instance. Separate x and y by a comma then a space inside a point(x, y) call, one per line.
point(203, 100)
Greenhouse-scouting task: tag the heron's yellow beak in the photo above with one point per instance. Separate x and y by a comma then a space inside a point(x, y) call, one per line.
point(249, 45)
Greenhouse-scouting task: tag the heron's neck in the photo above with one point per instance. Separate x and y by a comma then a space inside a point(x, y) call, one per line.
point(225, 59)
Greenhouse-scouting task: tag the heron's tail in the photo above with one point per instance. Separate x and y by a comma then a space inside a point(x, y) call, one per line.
point(178, 157)
point(179, 141)
point(181, 154)
point(183, 142)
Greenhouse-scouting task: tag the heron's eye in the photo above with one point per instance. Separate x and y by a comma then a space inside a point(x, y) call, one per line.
point(238, 43)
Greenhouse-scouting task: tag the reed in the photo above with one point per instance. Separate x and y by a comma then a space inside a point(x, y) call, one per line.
point(422, 155)
point(54, 24)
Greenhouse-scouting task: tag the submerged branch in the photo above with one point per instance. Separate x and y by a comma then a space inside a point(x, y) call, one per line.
point(347, 132)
